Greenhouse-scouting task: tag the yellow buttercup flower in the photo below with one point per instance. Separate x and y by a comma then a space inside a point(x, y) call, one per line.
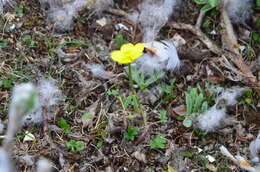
point(128, 53)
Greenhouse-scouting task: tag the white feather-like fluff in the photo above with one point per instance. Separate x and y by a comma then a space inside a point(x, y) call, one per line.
point(162, 57)
point(1, 126)
point(216, 116)
point(254, 148)
point(5, 162)
point(231, 95)
point(44, 165)
point(153, 15)
point(4, 3)
point(98, 71)
point(211, 120)
point(239, 10)
point(49, 94)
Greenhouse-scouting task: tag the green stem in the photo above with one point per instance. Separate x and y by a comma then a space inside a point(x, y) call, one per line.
point(130, 78)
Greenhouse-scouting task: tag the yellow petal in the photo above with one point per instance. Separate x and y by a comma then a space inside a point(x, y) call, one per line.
point(116, 55)
point(126, 47)
point(136, 55)
point(125, 61)
point(119, 57)
point(139, 47)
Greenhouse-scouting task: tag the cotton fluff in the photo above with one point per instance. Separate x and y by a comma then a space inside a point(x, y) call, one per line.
point(211, 120)
point(62, 17)
point(99, 71)
point(46, 4)
point(153, 15)
point(1, 126)
point(5, 162)
point(239, 10)
point(216, 116)
point(4, 3)
point(254, 148)
point(231, 95)
point(62, 12)
point(24, 101)
point(49, 94)
point(44, 165)
point(102, 5)
point(160, 56)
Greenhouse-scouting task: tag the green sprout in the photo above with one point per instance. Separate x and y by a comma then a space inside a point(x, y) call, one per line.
point(158, 142)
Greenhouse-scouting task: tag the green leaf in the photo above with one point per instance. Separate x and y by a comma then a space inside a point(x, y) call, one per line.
point(158, 142)
point(120, 40)
point(258, 3)
point(78, 43)
point(214, 3)
point(201, 1)
point(187, 122)
point(207, 7)
point(75, 146)
point(19, 10)
point(3, 43)
point(163, 117)
point(131, 133)
point(112, 92)
point(7, 83)
point(255, 37)
point(87, 116)
point(62, 123)
point(180, 118)
point(207, 23)
point(187, 154)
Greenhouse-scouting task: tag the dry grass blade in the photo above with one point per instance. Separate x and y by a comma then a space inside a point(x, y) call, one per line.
point(203, 37)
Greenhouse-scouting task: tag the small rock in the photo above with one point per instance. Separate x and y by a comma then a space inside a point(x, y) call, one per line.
point(102, 22)
point(210, 158)
point(139, 156)
point(28, 137)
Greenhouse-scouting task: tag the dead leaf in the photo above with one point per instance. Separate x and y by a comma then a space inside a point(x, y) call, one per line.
point(139, 156)
point(170, 169)
point(211, 167)
point(180, 110)
point(88, 116)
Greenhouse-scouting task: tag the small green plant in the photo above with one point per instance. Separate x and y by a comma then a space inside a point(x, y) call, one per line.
point(3, 43)
point(62, 123)
point(255, 37)
point(87, 116)
point(112, 92)
point(19, 10)
point(258, 3)
point(187, 154)
point(158, 142)
point(248, 98)
point(77, 43)
point(207, 23)
point(28, 40)
point(142, 81)
point(196, 103)
point(119, 39)
point(75, 146)
point(128, 102)
point(163, 116)
point(7, 81)
point(131, 100)
point(166, 91)
point(195, 100)
point(131, 133)
point(208, 4)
